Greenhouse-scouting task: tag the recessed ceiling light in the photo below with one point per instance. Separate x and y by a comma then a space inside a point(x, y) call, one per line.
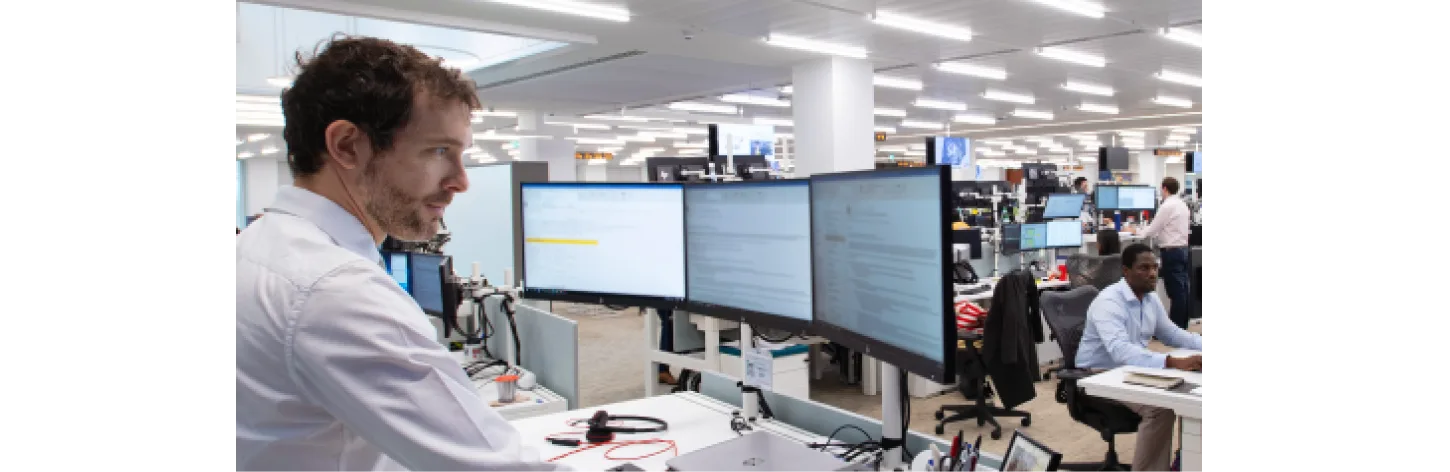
point(252, 138)
point(1068, 55)
point(691, 130)
point(1179, 78)
point(245, 155)
point(570, 7)
point(1088, 9)
point(1033, 114)
point(920, 124)
point(269, 150)
point(663, 135)
point(1186, 130)
point(1133, 133)
point(754, 100)
point(973, 70)
point(794, 42)
point(939, 104)
point(885, 129)
point(1087, 88)
point(921, 26)
point(633, 119)
point(1098, 108)
point(704, 107)
point(1183, 36)
point(765, 120)
point(896, 112)
point(1001, 96)
point(896, 82)
point(594, 141)
point(975, 119)
point(281, 81)
point(1173, 101)
point(635, 139)
point(592, 126)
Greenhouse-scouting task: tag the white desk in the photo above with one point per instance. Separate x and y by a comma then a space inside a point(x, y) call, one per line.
point(695, 422)
point(1188, 407)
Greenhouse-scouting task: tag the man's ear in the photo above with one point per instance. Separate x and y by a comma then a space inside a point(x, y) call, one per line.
point(347, 145)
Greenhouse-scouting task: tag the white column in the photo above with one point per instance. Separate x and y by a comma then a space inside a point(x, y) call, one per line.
point(832, 109)
point(262, 182)
point(1149, 167)
point(558, 152)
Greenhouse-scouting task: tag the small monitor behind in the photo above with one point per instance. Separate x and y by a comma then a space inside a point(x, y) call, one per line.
point(1113, 158)
point(427, 282)
point(398, 268)
point(1107, 197)
point(1064, 233)
point(1011, 238)
point(1034, 236)
point(1063, 205)
point(1137, 197)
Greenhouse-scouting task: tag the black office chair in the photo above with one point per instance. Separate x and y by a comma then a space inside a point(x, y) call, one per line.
point(1066, 314)
point(1094, 271)
point(972, 383)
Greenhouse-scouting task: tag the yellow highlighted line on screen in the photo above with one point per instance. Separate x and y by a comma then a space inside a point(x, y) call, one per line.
point(581, 242)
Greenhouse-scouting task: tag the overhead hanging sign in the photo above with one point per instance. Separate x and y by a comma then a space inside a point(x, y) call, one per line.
point(1167, 152)
point(594, 156)
point(880, 137)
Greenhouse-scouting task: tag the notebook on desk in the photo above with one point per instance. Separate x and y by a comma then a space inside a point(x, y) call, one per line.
point(1151, 380)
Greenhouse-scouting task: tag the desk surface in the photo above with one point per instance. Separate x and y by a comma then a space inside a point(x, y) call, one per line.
point(1110, 385)
point(987, 295)
point(695, 422)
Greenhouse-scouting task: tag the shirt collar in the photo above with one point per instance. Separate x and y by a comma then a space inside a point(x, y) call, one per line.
point(1125, 292)
point(344, 228)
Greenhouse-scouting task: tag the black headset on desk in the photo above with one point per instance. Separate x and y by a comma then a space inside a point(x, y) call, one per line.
point(600, 430)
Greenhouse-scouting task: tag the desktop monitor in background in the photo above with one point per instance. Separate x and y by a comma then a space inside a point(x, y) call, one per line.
point(1106, 197)
point(1136, 197)
point(1195, 160)
point(748, 252)
point(1011, 239)
point(1034, 236)
point(427, 282)
point(614, 243)
point(881, 253)
point(1064, 233)
point(741, 140)
point(398, 268)
point(1113, 158)
point(1063, 205)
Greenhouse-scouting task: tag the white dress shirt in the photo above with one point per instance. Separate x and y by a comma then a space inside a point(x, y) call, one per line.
point(1170, 224)
point(1119, 326)
point(338, 368)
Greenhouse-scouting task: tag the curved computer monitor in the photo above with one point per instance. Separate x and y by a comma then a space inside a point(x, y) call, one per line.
point(606, 243)
point(1063, 205)
point(748, 252)
point(881, 252)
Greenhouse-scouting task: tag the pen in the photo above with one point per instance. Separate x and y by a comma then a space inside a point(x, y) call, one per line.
point(973, 465)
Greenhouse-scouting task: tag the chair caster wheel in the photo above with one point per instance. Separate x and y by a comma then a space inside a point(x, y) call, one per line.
point(1027, 421)
point(940, 415)
point(940, 430)
point(981, 422)
point(996, 434)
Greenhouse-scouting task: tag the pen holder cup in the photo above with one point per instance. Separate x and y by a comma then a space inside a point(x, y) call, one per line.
point(508, 387)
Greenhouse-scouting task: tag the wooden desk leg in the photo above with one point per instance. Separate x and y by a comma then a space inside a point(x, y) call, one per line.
point(1190, 440)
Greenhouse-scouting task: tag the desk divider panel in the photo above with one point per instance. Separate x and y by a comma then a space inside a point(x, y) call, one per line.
point(550, 346)
point(819, 418)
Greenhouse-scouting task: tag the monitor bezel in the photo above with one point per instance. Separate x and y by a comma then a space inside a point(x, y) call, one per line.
point(601, 298)
point(940, 372)
point(733, 313)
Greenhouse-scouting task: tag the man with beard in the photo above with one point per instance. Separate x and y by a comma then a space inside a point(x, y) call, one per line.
point(337, 367)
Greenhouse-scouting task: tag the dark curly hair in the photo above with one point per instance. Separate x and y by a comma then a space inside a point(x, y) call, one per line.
point(369, 82)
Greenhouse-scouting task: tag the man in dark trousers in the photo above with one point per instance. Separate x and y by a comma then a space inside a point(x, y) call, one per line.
point(1169, 230)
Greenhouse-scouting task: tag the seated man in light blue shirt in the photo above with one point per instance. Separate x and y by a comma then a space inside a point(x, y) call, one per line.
point(1120, 322)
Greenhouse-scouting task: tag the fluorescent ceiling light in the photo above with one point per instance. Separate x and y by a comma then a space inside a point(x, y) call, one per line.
point(704, 107)
point(922, 26)
point(787, 90)
point(570, 7)
point(651, 150)
point(991, 153)
point(973, 70)
point(998, 142)
point(1173, 101)
point(1009, 97)
point(594, 141)
point(699, 145)
point(803, 44)
point(252, 138)
point(1033, 114)
point(648, 127)
point(1039, 139)
point(784, 135)
point(939, 104)
point(500, 113)
point(1179, 78)
point(594, 126)
point(663, 135)
point(754, 100)
point(975, 119)
point(245, 155)
point(920, 124)
point(636, 139)
point(609, 149)
point(895, 82)
point(765, 120)
point(281, 81)
point(496, 136)
point(598, 162)
point(1133, 133)
point(269, 150)
point(633, 119)
point(885, 129)
point(896, 112)
point(896, 148)
point(1067, 55)
point(1183, 36)
point(1090, 89)
point(691, 130)
point(1088, 9)
point(1098, 108)
point(916, 147)
point(1185, 130)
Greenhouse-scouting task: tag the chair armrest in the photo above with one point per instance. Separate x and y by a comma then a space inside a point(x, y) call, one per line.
point(1074, 374)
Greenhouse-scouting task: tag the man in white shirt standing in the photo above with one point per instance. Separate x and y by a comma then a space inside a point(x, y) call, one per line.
point(337, 367)
point(1169, 229)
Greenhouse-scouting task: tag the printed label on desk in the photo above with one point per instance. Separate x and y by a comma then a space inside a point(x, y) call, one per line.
point(758, 368)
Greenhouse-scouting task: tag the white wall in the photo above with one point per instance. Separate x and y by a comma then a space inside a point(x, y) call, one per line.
point(262, 180)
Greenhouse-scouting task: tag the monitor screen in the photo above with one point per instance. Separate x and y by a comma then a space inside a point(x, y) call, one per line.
point(1135, 198)
point(952, 151)
point(880, 248)
point(1197, 162)
point(1011, 239)
point(398, 268)
point(1064, 233)
point(1034, 236)
point(748, 249)
point(1107, 197)
point(427, 282)
point(593, 242)
point(744, 140)
point(1114, 158)
point(1063, 205)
